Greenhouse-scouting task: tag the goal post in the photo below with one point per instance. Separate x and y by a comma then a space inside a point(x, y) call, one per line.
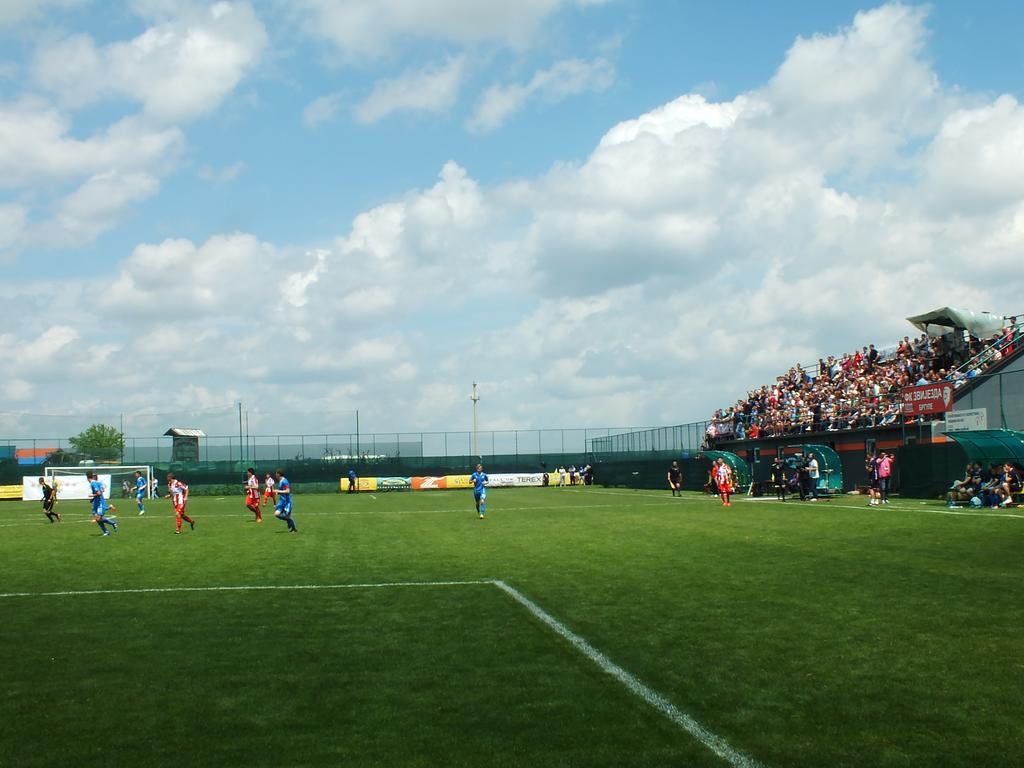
point(118, 473)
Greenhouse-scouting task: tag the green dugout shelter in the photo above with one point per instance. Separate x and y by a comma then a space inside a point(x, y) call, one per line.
point(927, 471)
point(829, 466)
point(990, 445)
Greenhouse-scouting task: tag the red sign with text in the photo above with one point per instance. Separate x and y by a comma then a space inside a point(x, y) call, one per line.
point(927, 398)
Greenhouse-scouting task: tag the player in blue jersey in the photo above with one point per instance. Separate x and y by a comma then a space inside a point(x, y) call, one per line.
point(140, 492)
point(283, 507)
point(100, 505)
point(479, 480)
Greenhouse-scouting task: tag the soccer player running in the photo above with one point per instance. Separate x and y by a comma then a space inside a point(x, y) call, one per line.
point(49, 500)
point(252, 494)
point(723, 479)
point(479, 479)
point(283, 508)
point(675, 479)
point(268, 488)
point(179, 497)
point(100, 505)
point(140, 492)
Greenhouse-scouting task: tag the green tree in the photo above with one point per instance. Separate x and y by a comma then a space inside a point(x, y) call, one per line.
point(100, 442)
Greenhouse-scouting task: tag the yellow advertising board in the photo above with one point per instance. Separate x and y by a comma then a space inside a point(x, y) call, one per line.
point(362, 484)
point(10, 492)
point(458, 481)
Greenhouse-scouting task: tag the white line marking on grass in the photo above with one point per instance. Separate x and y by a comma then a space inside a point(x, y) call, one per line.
point(626, 494)
point(712, 741)
point(244, 588)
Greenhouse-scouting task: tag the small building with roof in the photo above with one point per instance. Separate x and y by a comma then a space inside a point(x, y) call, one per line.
point(184, 443)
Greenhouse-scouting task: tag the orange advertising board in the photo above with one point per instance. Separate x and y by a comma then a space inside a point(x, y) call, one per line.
point(429, 483)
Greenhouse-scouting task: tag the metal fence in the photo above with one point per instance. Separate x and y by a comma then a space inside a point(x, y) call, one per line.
point(336, 447)
point(682, 437)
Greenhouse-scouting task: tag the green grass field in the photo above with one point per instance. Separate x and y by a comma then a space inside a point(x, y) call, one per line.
point(823, 634)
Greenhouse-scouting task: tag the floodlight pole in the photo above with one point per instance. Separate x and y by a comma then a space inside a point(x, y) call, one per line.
point(476, 440)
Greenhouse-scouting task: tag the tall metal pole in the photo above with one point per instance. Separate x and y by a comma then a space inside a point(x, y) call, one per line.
point(476, 441)
point(357, 436)
point(122, 440)
point(247, 433)
point(241, 450)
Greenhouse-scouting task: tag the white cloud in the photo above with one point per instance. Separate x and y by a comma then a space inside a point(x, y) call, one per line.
point(372, 28)
point(224, 174)
point(95, 207)
point(12, 224)
point(565, 78)
point(321, 110)
point(178, 69)
point(16, 11)
point(36, 145)
point(434, 89)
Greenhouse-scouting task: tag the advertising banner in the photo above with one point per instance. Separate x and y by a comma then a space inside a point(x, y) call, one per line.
point(12, 492)
point(68, 487)
point(516, 480)
point(970, 420)
point(458, 481)
point(429, 483)
point(927, 399)
point(394, 483)
point(362, 484)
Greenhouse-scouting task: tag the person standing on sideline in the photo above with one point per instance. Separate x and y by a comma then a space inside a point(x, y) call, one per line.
point(353, 481)
point(283, 508)
point(178, 493)
point(49, 500)
point(813, 475)
point(675, 479)
point(779, 478)
point(561, 476)
point(872, 467)
point(252, 494)
point(140, 492)
point(479, 479)
point(99, 504)
point(885, 476)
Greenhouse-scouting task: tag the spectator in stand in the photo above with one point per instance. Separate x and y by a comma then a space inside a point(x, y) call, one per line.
point(857, 390)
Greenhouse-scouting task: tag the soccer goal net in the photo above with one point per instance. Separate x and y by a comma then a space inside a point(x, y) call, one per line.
point(71, 482)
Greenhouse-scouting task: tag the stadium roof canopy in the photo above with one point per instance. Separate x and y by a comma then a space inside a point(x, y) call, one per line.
point(181, 432)
point(947, 319)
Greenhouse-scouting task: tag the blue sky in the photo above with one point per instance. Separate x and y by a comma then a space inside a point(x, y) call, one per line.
point(596, 209)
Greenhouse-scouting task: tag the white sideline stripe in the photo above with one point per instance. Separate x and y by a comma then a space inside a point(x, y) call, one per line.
point(712, 741)
point(244, 588)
